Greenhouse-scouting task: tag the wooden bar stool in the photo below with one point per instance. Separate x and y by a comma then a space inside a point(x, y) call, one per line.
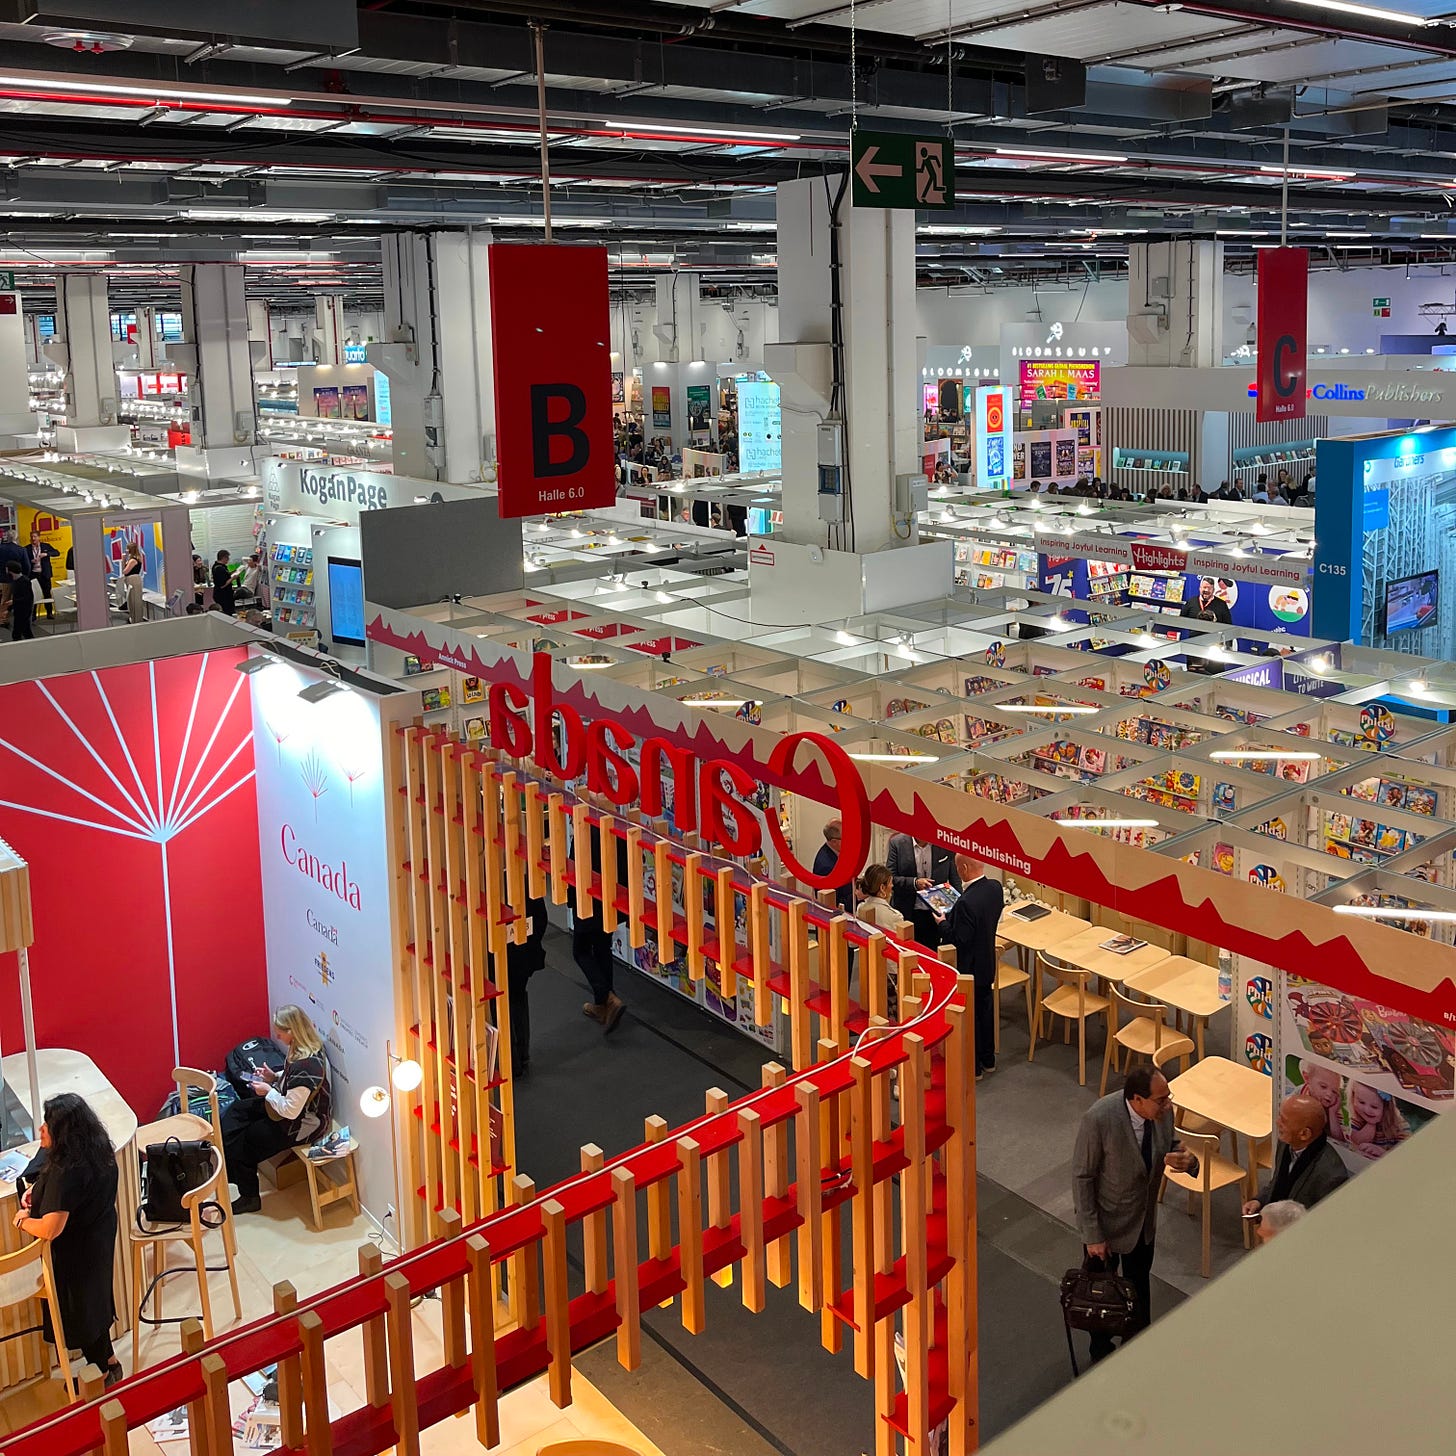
point(26, 1275)
point(1070, 999)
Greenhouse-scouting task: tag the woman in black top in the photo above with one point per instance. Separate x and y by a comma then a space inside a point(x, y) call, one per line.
point(287, 1108)
point(72, 1205)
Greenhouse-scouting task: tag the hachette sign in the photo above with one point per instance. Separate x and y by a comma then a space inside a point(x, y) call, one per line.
point(709, 795)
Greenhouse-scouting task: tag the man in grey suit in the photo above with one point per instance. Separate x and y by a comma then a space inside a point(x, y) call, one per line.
point(1123, 1143)
point(1307, 1166)
point(916, 865)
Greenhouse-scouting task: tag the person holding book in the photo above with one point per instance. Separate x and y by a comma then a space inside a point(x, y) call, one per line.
point(970, 926)
point(915, 865)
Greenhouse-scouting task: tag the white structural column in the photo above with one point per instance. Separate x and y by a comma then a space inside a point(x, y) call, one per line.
point(1175, 304)
point(437, 354)
point(218, 360)
point(151, 351)
point(328, 339)
point(15, 415)
point(882, 420)
point(260, 333)
point(82, 347)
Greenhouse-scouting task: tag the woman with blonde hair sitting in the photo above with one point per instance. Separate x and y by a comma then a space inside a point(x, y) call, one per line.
point(287, 1108)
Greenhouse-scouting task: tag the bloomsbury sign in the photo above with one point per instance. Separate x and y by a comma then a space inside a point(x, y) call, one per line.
point(709, 795)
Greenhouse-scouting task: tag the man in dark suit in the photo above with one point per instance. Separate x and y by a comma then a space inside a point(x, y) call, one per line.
point(591, 944)
point(1123, 1143)
point(916, 865)
point(971, 928)
point(522, 962)
point(1307, 1167)
point(42, 553)
point(825, 861)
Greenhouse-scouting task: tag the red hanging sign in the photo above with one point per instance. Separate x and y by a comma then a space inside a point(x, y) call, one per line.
point(1283, 307)
point(550, 327)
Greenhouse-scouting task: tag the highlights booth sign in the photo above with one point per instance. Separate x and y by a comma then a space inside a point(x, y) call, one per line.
point(326, 889)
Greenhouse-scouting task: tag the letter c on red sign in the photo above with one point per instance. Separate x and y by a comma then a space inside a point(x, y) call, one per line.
point(850, 798)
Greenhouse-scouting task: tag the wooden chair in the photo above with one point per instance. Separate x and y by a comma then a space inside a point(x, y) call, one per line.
point(1008, 978)
point(26, 1275)
point(1214, 1172)
point(191, 1232)
point(1184, 1120)
point(1070, 999)
point(1145, 1033)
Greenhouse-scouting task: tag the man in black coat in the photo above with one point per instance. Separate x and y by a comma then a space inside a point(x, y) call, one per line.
point(916, 864)
point(591, 944)
point(1307, 1166)
point(522, 962)
point(825, 861)
point(41, 554)
point(971, 928)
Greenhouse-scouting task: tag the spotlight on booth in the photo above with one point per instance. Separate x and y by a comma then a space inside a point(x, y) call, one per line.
point(317, 692)
point(249, 665)
point(374, 1101)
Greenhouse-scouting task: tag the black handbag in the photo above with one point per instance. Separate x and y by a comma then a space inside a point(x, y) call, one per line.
point(169, 1170)
point(1097, 1301)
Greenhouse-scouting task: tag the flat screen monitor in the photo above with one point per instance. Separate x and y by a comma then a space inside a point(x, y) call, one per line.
point(346, 601)
point(1413, 602)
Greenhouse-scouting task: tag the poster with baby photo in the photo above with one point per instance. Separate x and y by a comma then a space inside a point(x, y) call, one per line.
point(1362, 1121)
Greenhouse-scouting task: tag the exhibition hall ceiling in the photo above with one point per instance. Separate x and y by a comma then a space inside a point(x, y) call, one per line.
point(142, 136)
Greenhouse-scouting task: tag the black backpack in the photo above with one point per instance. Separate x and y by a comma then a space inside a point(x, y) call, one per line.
point(1098, 1302)
point(260, 1051)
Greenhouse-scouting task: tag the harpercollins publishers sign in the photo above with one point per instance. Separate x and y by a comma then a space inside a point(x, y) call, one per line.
point(1150, 556)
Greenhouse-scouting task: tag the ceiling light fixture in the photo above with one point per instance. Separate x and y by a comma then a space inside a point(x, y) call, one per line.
point(1050, 154)
point(1296, 170)
point(1075, 708)
point(146, 93)
point(894, 757)
point(1395, 912)
point(690, 129)
point(1108, 823)
point(1367, 12)
point(1269, 755)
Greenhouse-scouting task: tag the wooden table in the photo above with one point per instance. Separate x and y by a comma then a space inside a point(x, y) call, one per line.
point(66, 1071)
point(1085, 951)
point(1185, 985)
point(1234, 1096)
point(1041, 934)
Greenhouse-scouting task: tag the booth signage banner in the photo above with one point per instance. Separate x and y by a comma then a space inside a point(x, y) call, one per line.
point(1283, 333)
point(700, 403)
point(760, 426)
point(337, 493)
point(550, 337)
point(1078, 380)
point(993, 437)
point(1150, 556)
point(661, 407)
point(326, 887)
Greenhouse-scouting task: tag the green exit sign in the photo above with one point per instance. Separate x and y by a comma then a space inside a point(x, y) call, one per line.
point(7, 282)
point(891, 169)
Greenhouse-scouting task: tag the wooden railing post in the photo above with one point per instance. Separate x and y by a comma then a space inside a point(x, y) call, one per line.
point(808, 1169)
point(624, 1268)
point(482, 1342)
point(317, 1431)
point(862, 1214)
point(720, 1179)
point(690, 1232)
point(914, 1215)
point(217, 1414)
point(779, 1260)
point(525, 1279)
point(290, 1374)
point(113, 1428)
point(198, 1431)
point(558, 1304)
point(750, 1206)
point(402, 1366)
point(594, 1229)
point(452, 1300)
point(374, 1336)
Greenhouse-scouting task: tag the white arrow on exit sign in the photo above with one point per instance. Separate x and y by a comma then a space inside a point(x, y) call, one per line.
point(867, 169)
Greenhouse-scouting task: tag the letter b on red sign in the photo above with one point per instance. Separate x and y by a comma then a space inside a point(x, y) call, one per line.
point(551, 341)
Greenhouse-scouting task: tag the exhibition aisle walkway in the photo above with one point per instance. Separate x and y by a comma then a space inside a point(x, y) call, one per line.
point(759, 1384)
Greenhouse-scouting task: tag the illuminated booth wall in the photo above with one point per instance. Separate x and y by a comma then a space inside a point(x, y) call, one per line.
point(129, 792)
point(1385, 509)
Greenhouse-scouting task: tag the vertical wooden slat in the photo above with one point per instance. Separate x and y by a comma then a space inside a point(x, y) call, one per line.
point(776, 1181)
point(693, 911)
point(606, 826)
point(482, 1342)
point(559, 845)
point(199, 1432)
point(758, 940)
point(873, 978)
point(720, 1179)
point(837, 970)
point(862, 1214)
point(624, 1269)
point(636, 921)
point(532, 811)
point(961, 1283)
point(290, 1371)
point(727, 932)
point(558, 1304)
point(511, 850)
point(808, 1161)
point(525, 1279)
point(800, 1021)
point(914, 1216)
point(315, 1385)
point(581, 843)
point(402, 1366)
point(594, 1229)
point(750, 1206)
point(831, 1150)
point(690, 1231)
point(662, 863)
